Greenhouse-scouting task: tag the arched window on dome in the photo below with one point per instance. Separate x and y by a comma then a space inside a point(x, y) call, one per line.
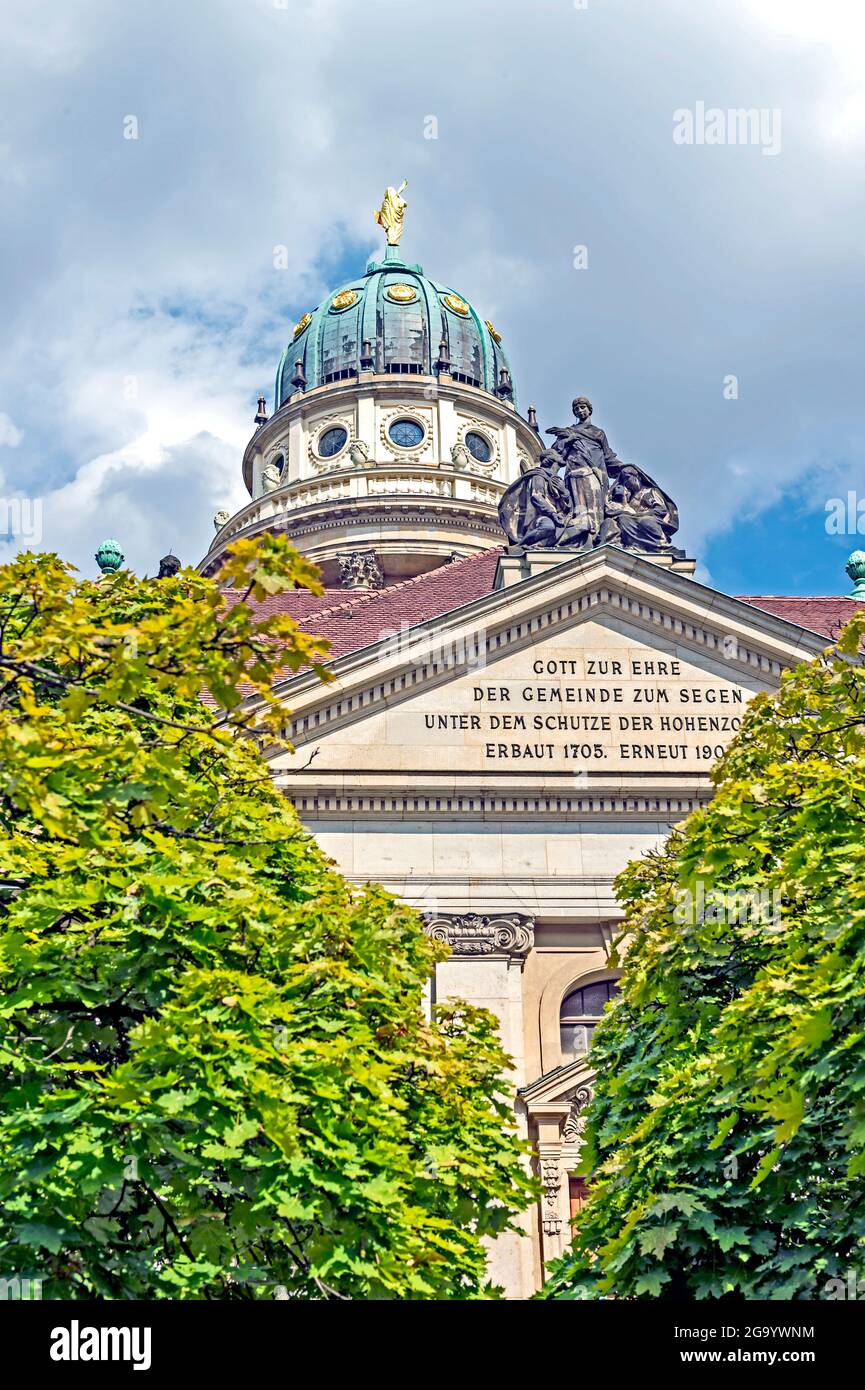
point(581, 1013)
point(464, 348)
point(339, 346)
point(403, 330)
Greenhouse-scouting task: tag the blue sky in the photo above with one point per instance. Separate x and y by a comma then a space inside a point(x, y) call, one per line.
point(143, 313)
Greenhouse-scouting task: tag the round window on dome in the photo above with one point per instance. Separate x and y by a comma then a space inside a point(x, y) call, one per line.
point(479, 446)
point(407, 434)
point(332, 441)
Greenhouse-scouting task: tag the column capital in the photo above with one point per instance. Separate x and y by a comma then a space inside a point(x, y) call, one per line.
point(504, 936)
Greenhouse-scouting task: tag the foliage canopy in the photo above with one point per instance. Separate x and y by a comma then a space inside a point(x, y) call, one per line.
point(216, 1073)
point(727, 1134)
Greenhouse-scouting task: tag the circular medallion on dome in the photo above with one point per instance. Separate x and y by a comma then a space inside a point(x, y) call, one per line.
point(302, 324)
point(493, 334)
point(478, 446)
point(344, 299)
point(332, 441)
point(401, 294)
point(407, 434)
point(456, 304)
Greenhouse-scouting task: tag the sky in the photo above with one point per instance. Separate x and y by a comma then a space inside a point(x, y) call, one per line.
point(707, 294)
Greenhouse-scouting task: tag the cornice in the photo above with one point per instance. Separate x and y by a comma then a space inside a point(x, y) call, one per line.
point(397, 512)
point(393, 802)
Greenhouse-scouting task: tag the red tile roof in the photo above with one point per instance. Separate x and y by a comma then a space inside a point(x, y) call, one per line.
point(826, 615)
point(351, 620)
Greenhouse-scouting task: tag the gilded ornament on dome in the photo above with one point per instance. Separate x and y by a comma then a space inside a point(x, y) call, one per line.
point(344, 299)
point(456, 304)
point(401, 294)
point(302, 324)
point(497, 337)
point(391, 214)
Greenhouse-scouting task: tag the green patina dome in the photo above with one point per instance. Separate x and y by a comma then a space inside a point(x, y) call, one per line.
point(404, 318)
point(109, 557)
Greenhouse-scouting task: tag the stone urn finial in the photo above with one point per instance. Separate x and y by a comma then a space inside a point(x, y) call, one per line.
point(855, 568)
point(109, 557)
point(169, 566)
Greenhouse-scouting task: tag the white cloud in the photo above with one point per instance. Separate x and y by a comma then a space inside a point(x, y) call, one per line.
point(10, 435)
point(838, 26)
point(143, 314)
point(153, 501)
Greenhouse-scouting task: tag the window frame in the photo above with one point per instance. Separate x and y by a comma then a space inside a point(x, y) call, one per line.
point(407, 420)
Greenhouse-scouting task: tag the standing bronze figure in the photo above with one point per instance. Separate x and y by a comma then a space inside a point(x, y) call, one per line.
point(582, 495)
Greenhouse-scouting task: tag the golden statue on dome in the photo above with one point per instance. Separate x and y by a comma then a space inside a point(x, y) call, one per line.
point(391, 214)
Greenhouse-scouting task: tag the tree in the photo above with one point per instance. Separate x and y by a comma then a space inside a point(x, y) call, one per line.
point(216, 1074)
point(727, 1135)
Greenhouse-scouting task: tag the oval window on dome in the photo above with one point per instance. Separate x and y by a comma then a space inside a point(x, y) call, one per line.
point(479, 446)
point(407, 434)
point(332, 441)
point(344, 300)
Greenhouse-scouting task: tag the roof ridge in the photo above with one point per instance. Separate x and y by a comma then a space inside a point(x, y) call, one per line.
point(802, 598)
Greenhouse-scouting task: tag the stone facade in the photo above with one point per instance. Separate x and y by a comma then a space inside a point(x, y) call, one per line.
point(416, 506)
point(504, 731)
point(486, 770)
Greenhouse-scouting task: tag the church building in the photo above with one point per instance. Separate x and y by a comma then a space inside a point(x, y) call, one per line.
point(530, 687)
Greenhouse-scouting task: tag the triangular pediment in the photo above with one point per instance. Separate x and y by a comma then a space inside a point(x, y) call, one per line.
point(605, 675)
point(560, 1087)
point(557, 1104)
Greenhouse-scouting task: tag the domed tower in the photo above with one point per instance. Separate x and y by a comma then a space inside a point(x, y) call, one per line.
point(395, 429)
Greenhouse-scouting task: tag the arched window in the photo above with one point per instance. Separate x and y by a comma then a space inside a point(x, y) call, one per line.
point(581, 1013)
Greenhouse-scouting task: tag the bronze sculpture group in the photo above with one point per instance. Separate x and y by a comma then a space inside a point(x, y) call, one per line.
point(581, 495)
